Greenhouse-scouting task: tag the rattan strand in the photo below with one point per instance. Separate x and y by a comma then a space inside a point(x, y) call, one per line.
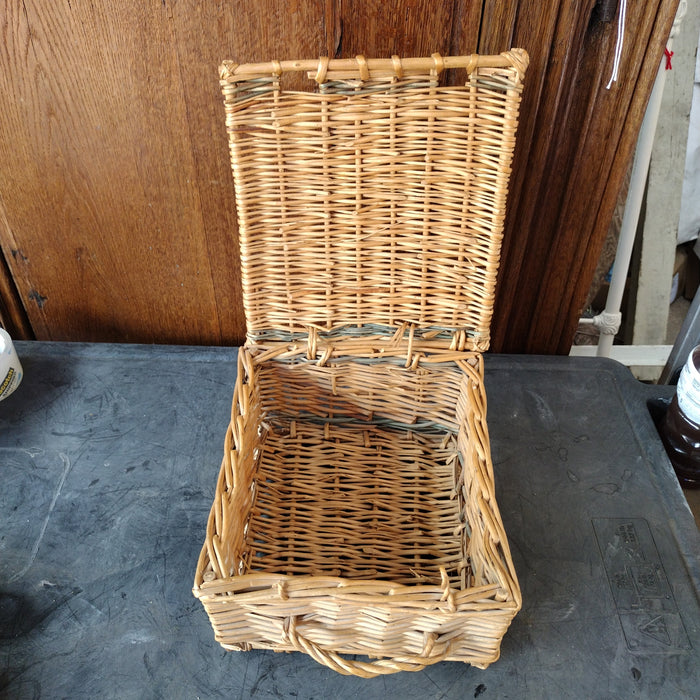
point(372, 202)
point(355, 509)
point(376, 67)
point(369, 503)
point(259, 569)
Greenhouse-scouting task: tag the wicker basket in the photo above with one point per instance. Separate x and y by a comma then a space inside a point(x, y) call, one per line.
point(355, 512)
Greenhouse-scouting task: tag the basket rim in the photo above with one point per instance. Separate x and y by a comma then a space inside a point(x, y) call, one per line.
point(402, 349)
point(363, 590)
point(230, 71)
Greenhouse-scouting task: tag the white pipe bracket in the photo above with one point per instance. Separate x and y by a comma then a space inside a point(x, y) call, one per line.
point(608, 323)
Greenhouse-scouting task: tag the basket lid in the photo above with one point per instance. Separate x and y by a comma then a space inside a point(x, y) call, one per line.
point(376, 201)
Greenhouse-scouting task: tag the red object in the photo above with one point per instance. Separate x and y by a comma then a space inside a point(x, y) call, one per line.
point(668, 55)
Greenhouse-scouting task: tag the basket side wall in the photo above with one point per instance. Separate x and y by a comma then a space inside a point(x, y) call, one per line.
point(365, 392)
point(388, 625)
point(488, 548)
point(224, 552)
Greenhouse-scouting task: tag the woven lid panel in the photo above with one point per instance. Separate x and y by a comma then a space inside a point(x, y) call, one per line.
point(376, 201)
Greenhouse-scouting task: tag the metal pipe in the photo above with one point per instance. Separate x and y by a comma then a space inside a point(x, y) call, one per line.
point(609, 320)
point(630, 219)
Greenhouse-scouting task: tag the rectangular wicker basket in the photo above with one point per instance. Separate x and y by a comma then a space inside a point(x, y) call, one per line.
point(355, 511)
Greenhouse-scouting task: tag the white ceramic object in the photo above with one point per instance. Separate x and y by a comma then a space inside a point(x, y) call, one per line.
point(688, 390)
point(10, 367)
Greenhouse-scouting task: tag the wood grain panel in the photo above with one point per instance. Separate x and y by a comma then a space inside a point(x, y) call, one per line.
point(117, 187)
point(386, 27)
point(568, 175)
point(536, 188)
point(98, 188)
point(203, 35)
point(119, 219)
point(614, 168)
point(13, 317)
point(466, 21)
point(537, 29)
point(497, 24)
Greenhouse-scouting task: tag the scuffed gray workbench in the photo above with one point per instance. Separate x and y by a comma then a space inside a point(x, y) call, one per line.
point(108, 459)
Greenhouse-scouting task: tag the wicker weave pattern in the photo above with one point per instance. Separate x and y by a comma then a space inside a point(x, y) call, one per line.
point(354, 502)
point(355, 510)
point(372, 202)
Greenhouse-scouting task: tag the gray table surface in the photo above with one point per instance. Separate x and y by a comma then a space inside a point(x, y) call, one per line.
point(108, 459)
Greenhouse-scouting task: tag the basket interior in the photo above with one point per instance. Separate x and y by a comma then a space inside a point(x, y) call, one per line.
point(371, 503)
point(360, 474)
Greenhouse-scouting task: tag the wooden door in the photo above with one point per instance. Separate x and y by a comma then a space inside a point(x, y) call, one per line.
point(117, 217)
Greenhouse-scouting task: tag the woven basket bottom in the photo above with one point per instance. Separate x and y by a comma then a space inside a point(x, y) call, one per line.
point(357, 501)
